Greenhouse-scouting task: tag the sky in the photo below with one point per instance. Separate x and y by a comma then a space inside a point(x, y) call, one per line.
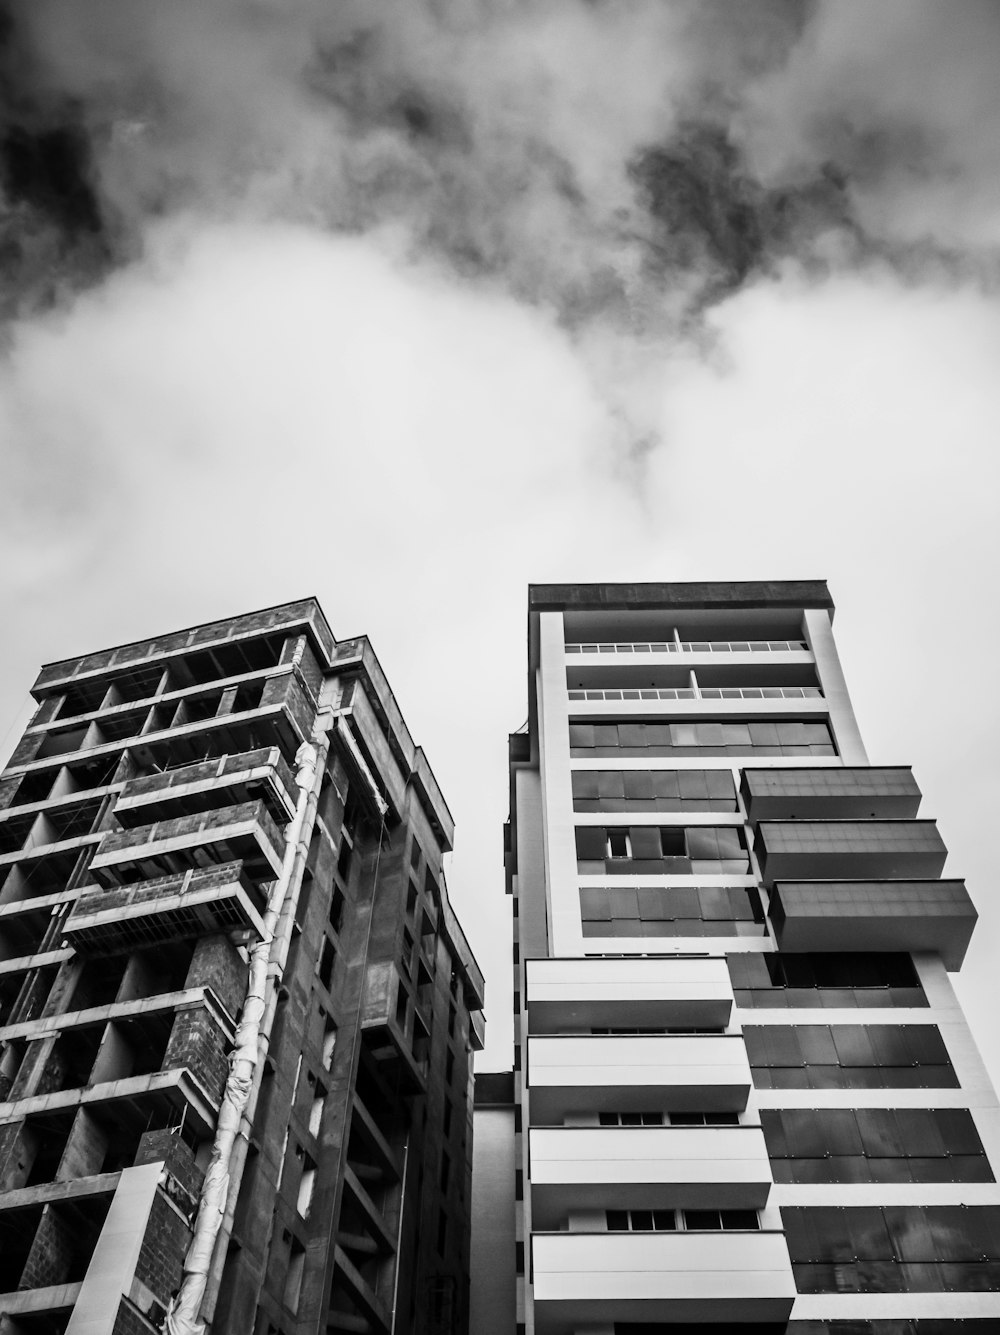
point(407, 306)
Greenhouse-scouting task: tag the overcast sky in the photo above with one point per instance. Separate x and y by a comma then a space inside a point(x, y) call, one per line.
point(407, 305)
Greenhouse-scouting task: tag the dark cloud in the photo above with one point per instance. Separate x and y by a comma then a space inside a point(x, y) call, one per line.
point(477, 129)
point(625, 165)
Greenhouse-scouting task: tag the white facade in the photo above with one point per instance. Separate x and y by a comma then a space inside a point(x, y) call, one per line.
point(626, 1025)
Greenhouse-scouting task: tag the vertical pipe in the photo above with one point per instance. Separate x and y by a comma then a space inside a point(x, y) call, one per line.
point(252, 1038)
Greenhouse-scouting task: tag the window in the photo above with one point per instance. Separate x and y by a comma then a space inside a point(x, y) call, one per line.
point(293, 1276)
point(671, 1221)
point(632, 1119)
point(669, 1119)
point(869, 979)
point(618, 844)
point(336, 913)
point(670, 849)
point(718, 910)
point(329, 1043)
point(720, 1219)
point(344, 857)
point(753, 737)
point(704, 1119)
point(653, 790)
point(307, 1184)
point(327, 958)
point(641, 1221)
point(634, 1031)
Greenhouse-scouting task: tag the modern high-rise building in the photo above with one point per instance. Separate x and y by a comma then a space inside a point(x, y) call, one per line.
point(744, 1092)
point(237, 1012)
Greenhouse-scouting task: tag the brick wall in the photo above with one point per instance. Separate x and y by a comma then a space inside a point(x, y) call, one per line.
point(130, 1321)
point(197, 1043)
point(52, 1252)
point(178, 1157)
point(217, 964)
point(163, 1246)
point(18, 1146)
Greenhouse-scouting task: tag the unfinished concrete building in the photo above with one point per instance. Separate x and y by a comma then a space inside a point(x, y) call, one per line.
point(179, 812)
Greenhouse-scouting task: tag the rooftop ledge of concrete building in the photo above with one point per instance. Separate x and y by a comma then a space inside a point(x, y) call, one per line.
point(304, 611)
point(708, 596)
point(303, 614)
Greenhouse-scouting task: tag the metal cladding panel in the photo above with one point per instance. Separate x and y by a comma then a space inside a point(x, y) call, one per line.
point(566, 994)
point(842, 849)
point(836, 792)
point(636, 1073)
point(874, 915)
point(607, 1277)
point(586, 1168)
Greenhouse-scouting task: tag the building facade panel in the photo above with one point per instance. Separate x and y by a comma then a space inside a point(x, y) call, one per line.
point(694, 770)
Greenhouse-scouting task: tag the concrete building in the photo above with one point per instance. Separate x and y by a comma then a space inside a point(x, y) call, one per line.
point(744, 1091)
point(236, 806)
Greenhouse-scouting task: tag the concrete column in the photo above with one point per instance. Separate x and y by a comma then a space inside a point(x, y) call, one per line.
point(819, 635)
point(561, 884)
point(112, 1266)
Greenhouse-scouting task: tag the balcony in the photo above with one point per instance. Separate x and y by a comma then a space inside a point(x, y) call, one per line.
point(588, 1168)
point(564, 995)
point(693, 647)
point(243, 833)
point(176, 907)
point(839, 850)
point(259, 774)
point(590, 1278)
point(636, 1073)
point(831, 793)
point(874, 915)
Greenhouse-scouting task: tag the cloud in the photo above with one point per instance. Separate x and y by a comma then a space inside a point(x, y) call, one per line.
point(420, 302)
point(616, 162)
point(624, 166)
point(902, 100)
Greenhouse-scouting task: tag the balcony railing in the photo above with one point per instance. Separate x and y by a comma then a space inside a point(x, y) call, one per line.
point(703, 693)
point(693, 647)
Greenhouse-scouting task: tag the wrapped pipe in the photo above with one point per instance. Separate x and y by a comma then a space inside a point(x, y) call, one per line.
point(250, 1048)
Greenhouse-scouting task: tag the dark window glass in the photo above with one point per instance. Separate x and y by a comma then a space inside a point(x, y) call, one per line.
point(591, 841)
point(713, 739)
point(637, 785)
point(847, 1057)
point(739, 1219)
point(645, 841)
point(894, 1248)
